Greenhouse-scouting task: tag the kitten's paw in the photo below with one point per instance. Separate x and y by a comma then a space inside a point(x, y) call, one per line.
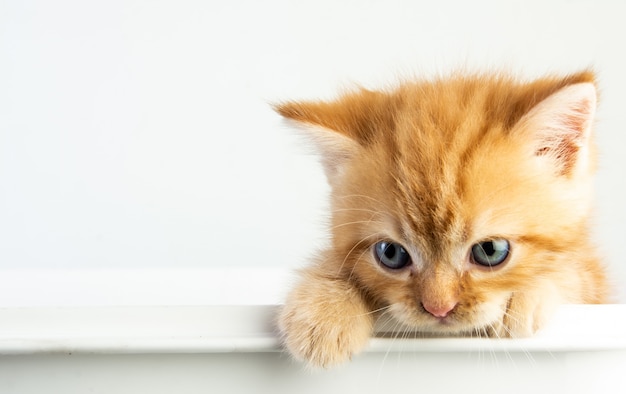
point(527, 314)
point(325, 322)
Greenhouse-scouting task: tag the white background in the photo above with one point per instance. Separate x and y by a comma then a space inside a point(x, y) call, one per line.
point(138, 134)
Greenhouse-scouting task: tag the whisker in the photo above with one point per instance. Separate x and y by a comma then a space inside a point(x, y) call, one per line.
point(359, 259)
point(394, 335)
point(518, 319)
point(383, 309)
point(357, 210)
point(352, 223)
point(352, 250)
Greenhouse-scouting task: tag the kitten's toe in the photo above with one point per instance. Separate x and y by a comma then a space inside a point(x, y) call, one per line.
point(323, 346)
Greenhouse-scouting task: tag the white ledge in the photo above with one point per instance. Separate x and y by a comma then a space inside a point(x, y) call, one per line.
point(218, 311)
point(250, 328)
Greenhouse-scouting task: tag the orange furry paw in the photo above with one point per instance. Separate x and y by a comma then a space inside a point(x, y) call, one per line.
point(325, 322)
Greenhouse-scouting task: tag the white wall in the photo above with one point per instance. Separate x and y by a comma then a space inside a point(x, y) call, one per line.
point(137, 134)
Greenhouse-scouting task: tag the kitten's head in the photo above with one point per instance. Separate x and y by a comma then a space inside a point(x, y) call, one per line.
point(450, 196)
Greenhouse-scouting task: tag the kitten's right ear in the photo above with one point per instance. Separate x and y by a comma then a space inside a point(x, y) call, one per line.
point(335, 149)
point(342, 127)
point(326, 128)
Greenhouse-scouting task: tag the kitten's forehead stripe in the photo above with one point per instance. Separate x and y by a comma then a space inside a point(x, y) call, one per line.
point(431, 214)
point(429, 181)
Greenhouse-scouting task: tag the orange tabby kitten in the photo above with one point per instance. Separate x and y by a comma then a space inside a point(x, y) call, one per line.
point(459, 206)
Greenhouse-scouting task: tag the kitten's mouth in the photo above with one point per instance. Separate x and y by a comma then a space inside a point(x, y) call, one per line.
point(420, 324)
point(446, 324)
point(444, 321)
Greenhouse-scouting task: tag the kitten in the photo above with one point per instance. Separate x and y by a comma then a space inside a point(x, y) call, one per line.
point(459, 206)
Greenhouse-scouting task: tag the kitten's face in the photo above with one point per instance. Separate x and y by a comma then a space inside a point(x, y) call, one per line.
point(446, 246)
point(450, 198)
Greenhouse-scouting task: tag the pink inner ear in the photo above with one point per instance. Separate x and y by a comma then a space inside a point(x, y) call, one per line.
point(579, 119)
point(565, 152)
point(560, 125)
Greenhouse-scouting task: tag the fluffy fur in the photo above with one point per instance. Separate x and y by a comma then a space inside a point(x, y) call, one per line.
point(437, 167)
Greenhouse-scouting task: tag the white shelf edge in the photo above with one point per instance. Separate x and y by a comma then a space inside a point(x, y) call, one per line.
point(250, 328)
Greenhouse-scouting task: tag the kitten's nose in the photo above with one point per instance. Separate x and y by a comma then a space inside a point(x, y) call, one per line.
point(439, 310)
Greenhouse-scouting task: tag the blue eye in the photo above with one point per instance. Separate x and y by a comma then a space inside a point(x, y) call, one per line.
point(391, 255)
point(491, 252)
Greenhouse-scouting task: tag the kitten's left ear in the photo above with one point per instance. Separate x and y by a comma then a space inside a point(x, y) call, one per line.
point(560, 126)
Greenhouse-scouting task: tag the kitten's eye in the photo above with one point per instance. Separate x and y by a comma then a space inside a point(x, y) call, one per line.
point(491, 252)
point(392, 255)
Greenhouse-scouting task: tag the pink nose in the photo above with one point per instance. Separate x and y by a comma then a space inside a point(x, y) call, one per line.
point(439, 310)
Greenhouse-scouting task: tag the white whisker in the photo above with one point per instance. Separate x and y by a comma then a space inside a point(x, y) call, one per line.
point(352, 223)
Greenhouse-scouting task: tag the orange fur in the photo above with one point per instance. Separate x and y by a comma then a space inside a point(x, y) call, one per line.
point(438, 166)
